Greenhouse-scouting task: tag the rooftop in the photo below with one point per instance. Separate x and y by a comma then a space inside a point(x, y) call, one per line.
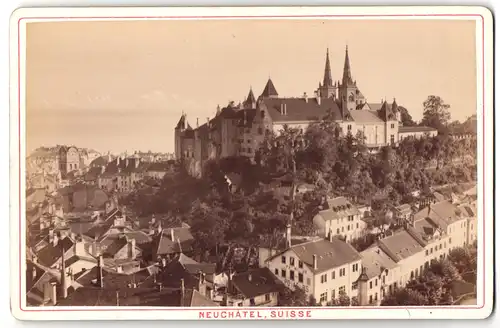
point(376, 261)
point(400, 245)
point(256, 282)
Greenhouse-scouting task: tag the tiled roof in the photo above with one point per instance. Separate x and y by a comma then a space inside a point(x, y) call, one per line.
point(400, 245)
point(256, 282)
point(442, 214)
point(99, 161)
point(99, 230)
point(328, 254)
point(338, 208)
point(297, 109)
point(411, 129)
point(50, 254)
point(91, 296)
point(375, 261)
point(114, 247)
point(172, 274)
point(365, 116)
point(182, 236)
point(35, 288)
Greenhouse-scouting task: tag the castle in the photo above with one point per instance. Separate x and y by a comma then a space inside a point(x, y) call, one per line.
point(238, 130)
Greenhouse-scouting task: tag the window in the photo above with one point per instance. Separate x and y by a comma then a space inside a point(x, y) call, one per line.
point(376, 296)
point(240, 304)
point(283, 259)
point(252, 301)
point(342, 290)
point(276, 272)
point(444, 244)
point(338, 231)
point(357, 225)
point(426, 252)
point(436, 248)
point(342, 272)
point(371, 299)
point(355, 267)
point(323, 297)
point(323, 278)
point(301, 265)
point(349, 127)
point(309, 281)
point(283, 273)
point(449, 240)
point(342, 229)
point(333, 294)
point(383, 279)
point(333, 274)
point(392, 126)
point(371, 284)
point(292, 275)
point(376, 282)
point(440, 246)
point(301, 278)
point(432, 250)
point(248, 141)
point(268, 297)
point(392, 139)
point(292, 261)
point(354, 286)
point(348, 227)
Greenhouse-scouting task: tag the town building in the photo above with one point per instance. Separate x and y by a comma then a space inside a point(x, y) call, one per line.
point(239, 129)
point(340, 218)
point(256, 287)
point(323, 268)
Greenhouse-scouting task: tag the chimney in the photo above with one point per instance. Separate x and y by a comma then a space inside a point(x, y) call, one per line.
point(180, 245)
point(172, 235)
point(289, 235)
point(118, 160)
point(33, 273)
point(284, 109)
point(281, 109)
point(53, 293)
point(182, 292)
point(202, 288)
point(305, 96)
point(64, 287)
point(330, 236)
point(119, 269)
point(315, 262)
point(132, 248)
point(55, 240)
point(318, 98)
point(197, 122)
point(163, 262)
point(99, 271)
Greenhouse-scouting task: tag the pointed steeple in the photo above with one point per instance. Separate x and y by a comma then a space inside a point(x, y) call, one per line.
point(346, 77)
point(251, 98)
point(269, 90)
point(181, 125)
point(394, 106)
point(327, 79)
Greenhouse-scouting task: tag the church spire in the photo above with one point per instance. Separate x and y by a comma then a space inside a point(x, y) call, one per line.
point(347, 78)
point(327, 79)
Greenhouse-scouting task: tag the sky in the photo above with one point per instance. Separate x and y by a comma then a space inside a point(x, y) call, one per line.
point(122, 85)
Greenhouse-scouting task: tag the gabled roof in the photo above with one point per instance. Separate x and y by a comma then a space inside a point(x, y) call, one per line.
point(115, 246)
point(338, 207)
point(183, 240)
point(50, 254)
point(365, 116)
point(375, 260)
point(256, 282)
point(35, 287)
point(269, 90)
point(298, 110)
point(329, 255)
point(400, 245)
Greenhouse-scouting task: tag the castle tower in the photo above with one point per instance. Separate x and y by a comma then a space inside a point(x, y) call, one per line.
point(328, 89)
point(179, 131)
point(348, 91)
point(269, 90)
point(250, 101)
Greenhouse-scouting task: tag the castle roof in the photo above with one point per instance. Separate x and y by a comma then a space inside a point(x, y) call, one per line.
point(269, 90)
point(298, 109)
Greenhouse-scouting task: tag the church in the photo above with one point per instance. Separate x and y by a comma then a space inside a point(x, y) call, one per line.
point(239, 129)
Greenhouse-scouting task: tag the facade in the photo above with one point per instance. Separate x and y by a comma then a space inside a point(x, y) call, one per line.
point(238, 130)
point(341, 218)
point(416, 132)
point(323, 268)
point(69, 159)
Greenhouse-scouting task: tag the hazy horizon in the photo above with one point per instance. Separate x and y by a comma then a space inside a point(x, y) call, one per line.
point(122, 85)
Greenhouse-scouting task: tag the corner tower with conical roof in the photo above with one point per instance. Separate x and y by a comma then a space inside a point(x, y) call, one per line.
point(327, 89)
point(269, 90)
point(349, 94)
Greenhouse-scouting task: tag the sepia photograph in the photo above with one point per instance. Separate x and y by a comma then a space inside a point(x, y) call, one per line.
point(282, 164)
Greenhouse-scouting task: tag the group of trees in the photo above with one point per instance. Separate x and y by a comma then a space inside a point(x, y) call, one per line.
point(320, 156)
point(434, 286)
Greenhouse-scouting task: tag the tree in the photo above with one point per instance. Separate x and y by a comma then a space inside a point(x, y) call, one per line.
point(406, 297)
point(436, 113)
point(296, 297)
point(342, 300)
point(406, 118)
